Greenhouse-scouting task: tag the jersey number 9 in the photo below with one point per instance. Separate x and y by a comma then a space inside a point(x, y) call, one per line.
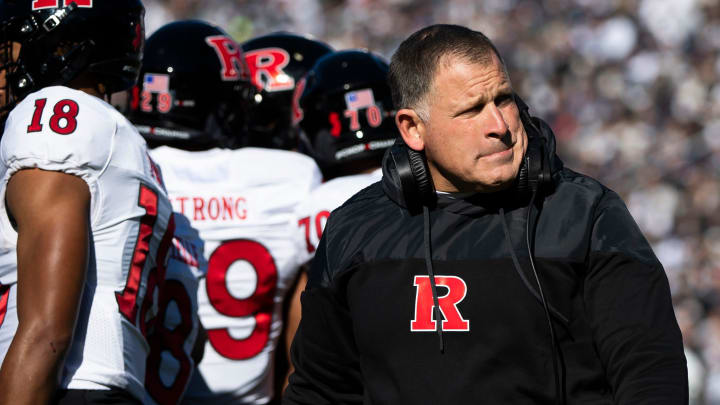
point(259, 305)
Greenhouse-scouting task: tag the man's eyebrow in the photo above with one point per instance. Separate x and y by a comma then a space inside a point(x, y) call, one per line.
point(503, 90)
point(505, 86)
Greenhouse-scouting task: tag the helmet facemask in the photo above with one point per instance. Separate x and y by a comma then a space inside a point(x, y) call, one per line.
point(9, 67)
point(102, 42)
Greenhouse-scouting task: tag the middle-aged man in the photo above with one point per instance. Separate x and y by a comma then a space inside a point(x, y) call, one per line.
point(547, 291)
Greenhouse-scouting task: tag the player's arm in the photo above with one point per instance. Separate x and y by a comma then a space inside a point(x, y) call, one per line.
point(51, 210)
point(293, 319)
point(627, 297)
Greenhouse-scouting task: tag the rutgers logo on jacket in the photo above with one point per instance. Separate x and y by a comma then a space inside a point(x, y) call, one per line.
point(455, 291)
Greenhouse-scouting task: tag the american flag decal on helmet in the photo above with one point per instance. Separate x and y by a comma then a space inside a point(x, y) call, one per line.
point(356, 100)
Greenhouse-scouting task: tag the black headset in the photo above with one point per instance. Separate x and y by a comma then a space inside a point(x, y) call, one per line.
point(417, 185)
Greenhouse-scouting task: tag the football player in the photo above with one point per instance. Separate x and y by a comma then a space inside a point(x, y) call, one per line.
point(196, 112)
point(345, 121)
point(85, 223)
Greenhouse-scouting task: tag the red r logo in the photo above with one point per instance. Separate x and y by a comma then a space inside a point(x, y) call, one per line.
point(230, 57)
point(297, 111)
point(139, 37)
point(43, 4)
point(266, 69)
point(453, 322)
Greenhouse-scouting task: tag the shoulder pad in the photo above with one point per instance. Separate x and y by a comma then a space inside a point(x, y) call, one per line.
point(59, 129)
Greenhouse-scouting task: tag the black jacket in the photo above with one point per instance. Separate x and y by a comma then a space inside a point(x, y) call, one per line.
point(612, 314)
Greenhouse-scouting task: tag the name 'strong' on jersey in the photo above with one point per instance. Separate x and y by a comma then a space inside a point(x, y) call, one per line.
point(66, 130)
point(313, 213)
point(243, 204)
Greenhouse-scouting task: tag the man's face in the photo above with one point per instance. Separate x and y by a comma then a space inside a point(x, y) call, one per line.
point(473, 138)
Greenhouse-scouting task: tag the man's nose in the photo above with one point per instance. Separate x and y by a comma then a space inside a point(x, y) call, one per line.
point(494, 122)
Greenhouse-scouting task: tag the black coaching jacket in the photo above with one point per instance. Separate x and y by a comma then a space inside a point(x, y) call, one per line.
point(368, 334)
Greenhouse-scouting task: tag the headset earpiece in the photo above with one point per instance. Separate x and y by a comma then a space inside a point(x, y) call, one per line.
point(417, 186)
point(535, 171)
point(421, 174)
point(530, 179)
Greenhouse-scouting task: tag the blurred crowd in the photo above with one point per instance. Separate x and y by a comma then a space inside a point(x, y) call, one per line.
point(631, 87)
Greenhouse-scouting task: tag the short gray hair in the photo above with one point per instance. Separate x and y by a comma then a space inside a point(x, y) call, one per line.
point(414, 64)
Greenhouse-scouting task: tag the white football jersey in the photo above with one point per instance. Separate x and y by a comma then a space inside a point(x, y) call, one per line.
point(313, 213)
point(243, 203)
point(66, 130)
point(172, 338)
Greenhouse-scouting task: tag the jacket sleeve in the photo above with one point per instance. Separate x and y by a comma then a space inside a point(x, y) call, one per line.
point(627, 297)
point(324, 354)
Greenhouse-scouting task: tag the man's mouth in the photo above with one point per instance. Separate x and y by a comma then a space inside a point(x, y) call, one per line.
point(499, 152)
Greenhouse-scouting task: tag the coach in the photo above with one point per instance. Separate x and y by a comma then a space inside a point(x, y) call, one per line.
point(513, 281)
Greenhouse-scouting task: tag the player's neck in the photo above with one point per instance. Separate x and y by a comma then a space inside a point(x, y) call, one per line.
point(89, 86)
point(91, 91)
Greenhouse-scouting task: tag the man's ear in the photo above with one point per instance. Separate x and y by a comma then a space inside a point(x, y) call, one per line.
point(411, 127)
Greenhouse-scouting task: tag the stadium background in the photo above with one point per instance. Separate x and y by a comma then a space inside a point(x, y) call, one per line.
point(631, 88)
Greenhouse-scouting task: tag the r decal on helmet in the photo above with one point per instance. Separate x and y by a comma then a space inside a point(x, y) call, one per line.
point(230, 57)
point(139, 37)
point(266, 69)
point(297, 112)
point(43, 4)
